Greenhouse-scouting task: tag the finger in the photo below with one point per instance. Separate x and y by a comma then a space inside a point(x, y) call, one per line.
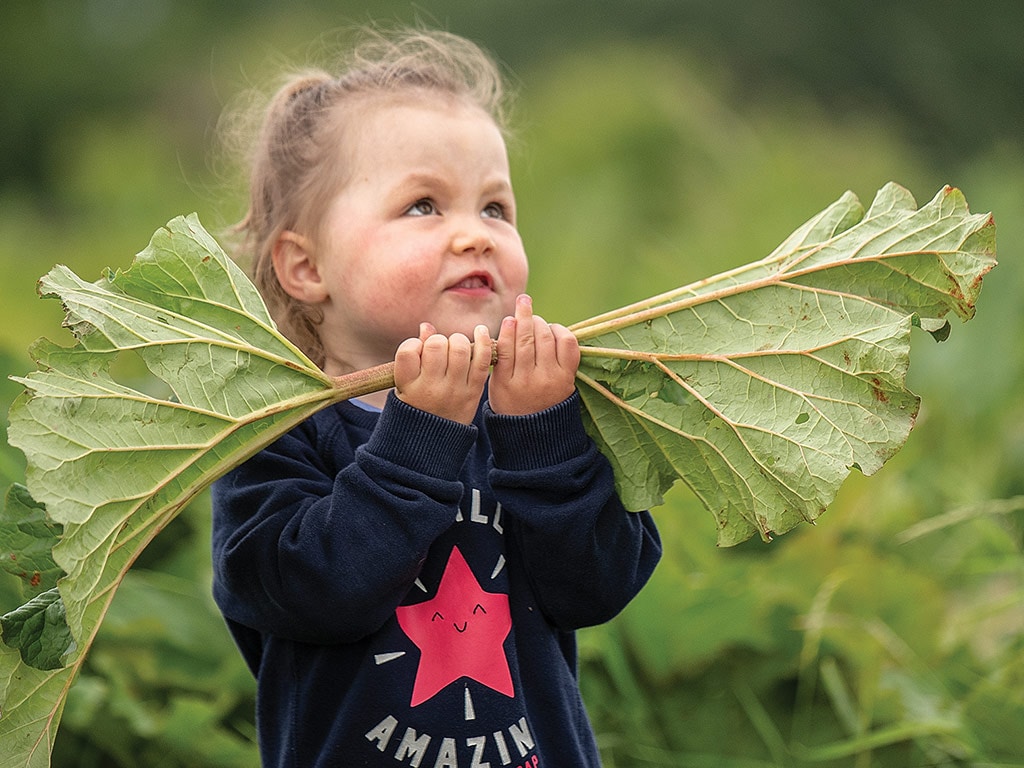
point(407, 362)
point(434, 357)
point(543, 340)
point(460, 353)
point(525, 336)
point(506, 346)
point(482, 350)
point(426, 331)
point(524, 308)
point(567, 347)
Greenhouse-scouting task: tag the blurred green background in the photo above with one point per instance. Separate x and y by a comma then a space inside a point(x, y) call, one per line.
point(658, 142)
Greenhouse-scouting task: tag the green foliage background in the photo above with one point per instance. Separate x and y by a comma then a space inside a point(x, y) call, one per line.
point(658, 142)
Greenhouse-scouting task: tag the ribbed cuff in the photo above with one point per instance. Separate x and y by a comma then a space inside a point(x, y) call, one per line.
point(537, 440)
point(421, 441)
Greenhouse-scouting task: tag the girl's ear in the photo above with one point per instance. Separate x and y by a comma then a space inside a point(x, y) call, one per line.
point(296, 268)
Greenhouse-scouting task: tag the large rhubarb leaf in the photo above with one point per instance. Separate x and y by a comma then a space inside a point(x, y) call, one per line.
point(760, 388)
point(763, 387)
point(114, 465)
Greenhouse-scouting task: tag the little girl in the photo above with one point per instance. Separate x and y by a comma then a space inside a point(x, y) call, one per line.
point(404, 573)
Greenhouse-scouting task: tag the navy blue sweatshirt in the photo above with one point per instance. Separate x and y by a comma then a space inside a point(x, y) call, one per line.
point(406, 588)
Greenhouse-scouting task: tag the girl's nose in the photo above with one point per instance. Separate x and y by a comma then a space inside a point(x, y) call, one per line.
point(471, 235)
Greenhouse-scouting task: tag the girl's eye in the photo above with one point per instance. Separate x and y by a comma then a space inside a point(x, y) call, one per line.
point(494, 211)
point(424, 207)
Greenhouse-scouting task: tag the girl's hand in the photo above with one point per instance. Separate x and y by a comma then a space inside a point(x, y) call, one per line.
point(444, 375)
point(536, 365)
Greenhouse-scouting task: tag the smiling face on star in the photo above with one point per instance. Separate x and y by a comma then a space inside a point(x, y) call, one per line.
point(459, 623)
point(423, 228)
point(460, 632)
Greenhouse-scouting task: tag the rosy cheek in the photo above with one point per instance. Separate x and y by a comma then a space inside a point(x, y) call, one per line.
point(517, 276)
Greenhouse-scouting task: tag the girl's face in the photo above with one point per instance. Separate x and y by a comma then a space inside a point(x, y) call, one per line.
point(423, 229)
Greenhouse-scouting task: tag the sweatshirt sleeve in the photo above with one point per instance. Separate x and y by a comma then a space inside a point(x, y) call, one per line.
point(321, 555)
point(586, 556)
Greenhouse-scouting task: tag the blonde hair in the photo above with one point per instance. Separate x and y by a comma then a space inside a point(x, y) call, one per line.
point(295, 167)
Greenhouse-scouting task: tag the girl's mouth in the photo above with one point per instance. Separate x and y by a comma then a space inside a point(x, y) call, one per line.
point(474, 283)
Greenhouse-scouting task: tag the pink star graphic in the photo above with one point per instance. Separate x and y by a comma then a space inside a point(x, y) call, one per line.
point(460, 633)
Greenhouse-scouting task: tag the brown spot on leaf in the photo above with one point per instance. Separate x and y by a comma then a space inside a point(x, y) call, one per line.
point(877, 391)
point(976, 283)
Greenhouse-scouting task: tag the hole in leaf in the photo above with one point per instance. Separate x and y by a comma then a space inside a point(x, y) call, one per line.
point(803, 418)
point(673, 393)
point(129, 370)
